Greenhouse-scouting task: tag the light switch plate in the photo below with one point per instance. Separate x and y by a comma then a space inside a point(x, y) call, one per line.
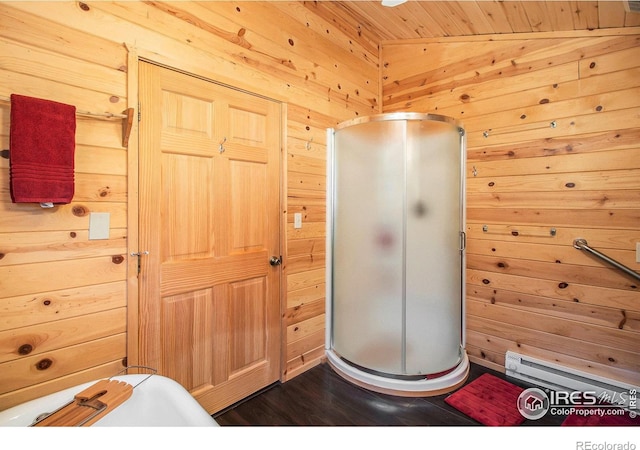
point(297, 220)
point(99, 226)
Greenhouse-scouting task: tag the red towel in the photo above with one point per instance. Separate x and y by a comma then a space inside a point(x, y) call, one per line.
point(42, 149)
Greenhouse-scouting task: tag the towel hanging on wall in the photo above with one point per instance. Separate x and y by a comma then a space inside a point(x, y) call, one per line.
point(41, 150)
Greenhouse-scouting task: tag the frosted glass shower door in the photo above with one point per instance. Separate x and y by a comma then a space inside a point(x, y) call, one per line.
point(368, 210)
point(433, 276)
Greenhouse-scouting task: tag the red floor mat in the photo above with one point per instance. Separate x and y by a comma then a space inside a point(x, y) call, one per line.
point(603, 417)
point(489, 400)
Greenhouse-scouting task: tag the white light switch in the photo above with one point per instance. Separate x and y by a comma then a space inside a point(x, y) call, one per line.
point(99, 226)
point(297, 220)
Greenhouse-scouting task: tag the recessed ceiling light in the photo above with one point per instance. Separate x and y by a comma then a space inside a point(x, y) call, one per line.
point(391, 3)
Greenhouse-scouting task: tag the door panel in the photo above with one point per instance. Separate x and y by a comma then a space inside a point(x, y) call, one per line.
point(210, 218)
point(188, 120)
point(180, 359)
point(248, 206)
point(187, 220)
point(247, 345)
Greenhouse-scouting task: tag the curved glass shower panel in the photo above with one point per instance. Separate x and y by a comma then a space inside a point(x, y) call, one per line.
point(433, 257)
point(368, 238)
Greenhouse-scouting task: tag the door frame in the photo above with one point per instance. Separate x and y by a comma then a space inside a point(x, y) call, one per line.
point(133, 230)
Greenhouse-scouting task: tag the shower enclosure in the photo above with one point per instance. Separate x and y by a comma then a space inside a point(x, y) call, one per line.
point(395, 253)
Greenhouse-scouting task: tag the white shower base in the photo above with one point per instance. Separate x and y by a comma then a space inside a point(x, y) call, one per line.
point(403, 388)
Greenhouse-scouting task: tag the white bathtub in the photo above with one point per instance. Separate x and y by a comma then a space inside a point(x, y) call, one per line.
point(156, 401)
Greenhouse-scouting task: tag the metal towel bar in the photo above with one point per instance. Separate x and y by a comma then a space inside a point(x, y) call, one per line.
point(581, 244)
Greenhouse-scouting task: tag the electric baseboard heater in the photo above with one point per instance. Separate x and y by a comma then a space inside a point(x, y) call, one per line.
point(561, 378)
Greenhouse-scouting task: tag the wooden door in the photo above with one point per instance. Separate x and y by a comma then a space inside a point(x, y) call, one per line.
point(209, 217)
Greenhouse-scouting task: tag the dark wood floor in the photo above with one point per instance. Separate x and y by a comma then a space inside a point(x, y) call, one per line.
point(320, 397)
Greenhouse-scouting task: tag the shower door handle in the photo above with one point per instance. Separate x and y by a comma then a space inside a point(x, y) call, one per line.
point(463, 241)
point(275, 260)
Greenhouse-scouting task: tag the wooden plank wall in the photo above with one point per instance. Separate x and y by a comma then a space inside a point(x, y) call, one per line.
point(63, 298)
point(553, 138)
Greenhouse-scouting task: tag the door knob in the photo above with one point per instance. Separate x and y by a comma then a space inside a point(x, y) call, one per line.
point(275, 260)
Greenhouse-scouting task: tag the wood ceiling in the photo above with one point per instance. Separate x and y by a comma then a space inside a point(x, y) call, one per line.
point(430, 18)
